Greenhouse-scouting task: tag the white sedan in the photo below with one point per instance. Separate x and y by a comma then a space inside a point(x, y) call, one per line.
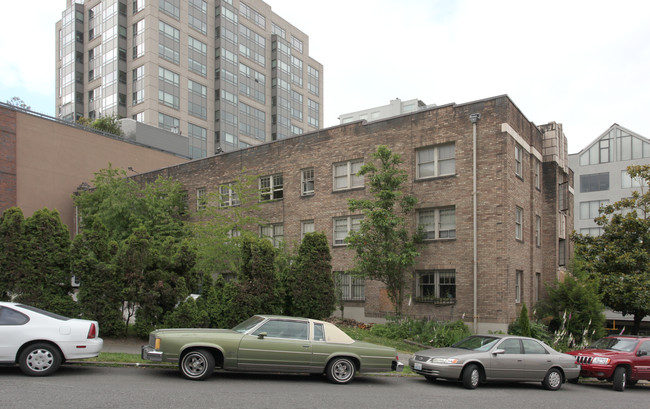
point(39, 341)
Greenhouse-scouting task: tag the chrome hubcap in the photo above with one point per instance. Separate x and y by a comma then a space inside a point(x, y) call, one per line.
point(475, 377)
point(342, 371)
point(554, 379)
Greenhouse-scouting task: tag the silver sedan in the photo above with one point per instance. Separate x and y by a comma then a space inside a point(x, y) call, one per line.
point(482, 358)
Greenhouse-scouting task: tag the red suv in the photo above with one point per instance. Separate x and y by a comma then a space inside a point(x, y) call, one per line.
point(623, 360)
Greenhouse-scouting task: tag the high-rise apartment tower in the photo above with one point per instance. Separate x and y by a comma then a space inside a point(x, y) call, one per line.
point(226, 74)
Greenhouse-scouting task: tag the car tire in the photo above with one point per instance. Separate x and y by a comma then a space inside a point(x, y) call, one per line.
point(553, 380)
point(197, 364)
point(620, 378)
point(40, 360)
point(340, 370)
point(471, 376)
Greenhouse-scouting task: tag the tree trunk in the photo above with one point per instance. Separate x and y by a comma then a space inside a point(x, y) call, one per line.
point(637, 323)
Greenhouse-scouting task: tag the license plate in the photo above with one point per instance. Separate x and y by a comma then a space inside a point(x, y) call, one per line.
point(417, 366)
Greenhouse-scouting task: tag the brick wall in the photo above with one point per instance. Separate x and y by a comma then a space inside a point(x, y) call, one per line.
point(7, 159)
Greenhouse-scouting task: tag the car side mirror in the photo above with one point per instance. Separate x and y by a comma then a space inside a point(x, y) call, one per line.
point(641, 353)
point(261, 335)
point(498, 352)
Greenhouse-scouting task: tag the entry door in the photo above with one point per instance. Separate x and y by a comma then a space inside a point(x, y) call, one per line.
point(278, 345)
point(643, 361)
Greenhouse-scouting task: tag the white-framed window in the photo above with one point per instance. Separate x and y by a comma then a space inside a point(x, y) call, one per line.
point(351, 288)
point(438, 223)
point(234, 232)
point(591, 209)
point(538, 231)
point(434, 161)
point(271, 188)
point(592, 231)
point(537, 286)
point(538, 178)
point(436, 286)
point(519, 223)
point(519, 282)
point(201, 198)
point(628, 182)
point(307, 182)
point(518, 161)
point(273, 232)
point(345, 174)
point(228, 196)
point(306, 226)
point(343, 226)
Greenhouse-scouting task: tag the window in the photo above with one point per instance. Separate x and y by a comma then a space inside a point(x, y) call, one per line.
point(197, 99)
point(561, 258)
point(519, 278)
point(438, 223)
point(436, 286)
point(436, 161)
point(306, 226)
point(538, 284)
point(518, 161)
point(592, 231)
point(628, 182)
point(12, 317)
point(519, 224)
point(319, 332)
point(168, 123)
point(594, 182)
point(171, 7)
point(349, 287)
point(273, 232)
point(201, 199)
point(168, 88)
point(169, 45)
point(538, 231)
point(343, 226)
point(510, 346)
point(228, 196)
point(307, 182)
point(591, 209)
point(197, 59)
point(285, 329)
point(313, 113)
point(271, 188)
point(198, 15)
point(538, 182)
point(345, 175)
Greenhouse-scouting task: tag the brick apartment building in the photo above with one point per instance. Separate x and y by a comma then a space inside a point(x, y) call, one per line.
point(523, 210)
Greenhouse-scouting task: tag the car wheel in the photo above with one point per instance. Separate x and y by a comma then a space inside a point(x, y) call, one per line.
point(340, 370)
point(471, 376)
point(553, 379)
point(40, 360)
point(620, 379)
point(197, 364)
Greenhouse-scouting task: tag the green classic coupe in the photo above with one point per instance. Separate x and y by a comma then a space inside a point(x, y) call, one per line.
point(269, 343)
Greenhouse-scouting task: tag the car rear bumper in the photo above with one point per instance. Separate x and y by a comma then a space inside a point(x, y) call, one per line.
point(151, 354)
point(88, 348)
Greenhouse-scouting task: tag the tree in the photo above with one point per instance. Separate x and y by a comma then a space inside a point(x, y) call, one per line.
point(522, 325)
point(385, 250)
point(11, 250)
point(45, 279)
point(310, 286)
point(108, 124)
point(573, 306)
point(18, 102)
point(619, 259)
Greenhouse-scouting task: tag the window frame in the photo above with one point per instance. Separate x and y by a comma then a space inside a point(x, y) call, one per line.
point(435, 285)
point(519, 157)
point(519, 224)
point(305, 181)
point(201, 199)
point(437, 223)
point(349, 287)
point(303, 231)
point(519, 285)
point(538, 231)
point(350, 223)
point(352, 180)
point(435, 161)
point(229, 197)
point(276, 236)
point(274, 190)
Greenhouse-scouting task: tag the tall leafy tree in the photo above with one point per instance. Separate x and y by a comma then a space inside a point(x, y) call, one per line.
point(310, 286)
point(45, 282)
point(385, 249)
point(12, 250)
point(619, 259)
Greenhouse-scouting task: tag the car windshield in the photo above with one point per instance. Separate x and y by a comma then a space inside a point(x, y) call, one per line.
point(476, 343)
point(615, 344)
point(248, 324)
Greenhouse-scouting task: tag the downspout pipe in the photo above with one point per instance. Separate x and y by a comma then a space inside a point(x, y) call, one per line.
point(474, 118)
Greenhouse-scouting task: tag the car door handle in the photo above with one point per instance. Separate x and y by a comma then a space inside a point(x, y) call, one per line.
point(306, 346)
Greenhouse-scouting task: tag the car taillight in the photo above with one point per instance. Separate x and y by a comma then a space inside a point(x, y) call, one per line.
point(92, 332)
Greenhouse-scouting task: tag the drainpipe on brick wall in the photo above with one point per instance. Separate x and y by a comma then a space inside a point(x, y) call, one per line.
point(474, 118)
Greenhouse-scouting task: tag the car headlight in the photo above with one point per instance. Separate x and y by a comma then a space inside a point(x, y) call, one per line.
point(443, 360)
point(599, 360)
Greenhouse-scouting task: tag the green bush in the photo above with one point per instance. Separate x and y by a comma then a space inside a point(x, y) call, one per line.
point(423, 331)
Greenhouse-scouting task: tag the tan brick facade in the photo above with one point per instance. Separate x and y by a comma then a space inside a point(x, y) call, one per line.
point(500, 191)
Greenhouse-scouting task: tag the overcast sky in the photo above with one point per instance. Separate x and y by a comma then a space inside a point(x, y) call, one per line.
point(585, 64)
